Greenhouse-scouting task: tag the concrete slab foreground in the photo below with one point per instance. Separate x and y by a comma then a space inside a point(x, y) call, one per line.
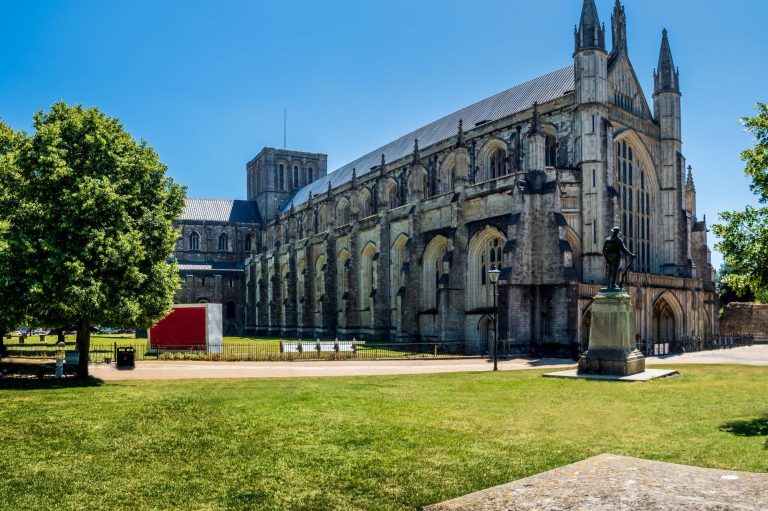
point(609, 482)
point(647, 375)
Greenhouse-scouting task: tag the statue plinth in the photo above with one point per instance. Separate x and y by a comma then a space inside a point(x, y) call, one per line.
point(611, 343)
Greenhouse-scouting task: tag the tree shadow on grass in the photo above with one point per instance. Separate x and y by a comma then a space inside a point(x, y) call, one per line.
point(24, 376)
point(25, 383)
point(752, 427)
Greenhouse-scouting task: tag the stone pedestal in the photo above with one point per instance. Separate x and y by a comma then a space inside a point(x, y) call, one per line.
point(611, 343)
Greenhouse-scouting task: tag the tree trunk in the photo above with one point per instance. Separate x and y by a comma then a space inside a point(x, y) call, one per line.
point(84, 347)
point(60, 334)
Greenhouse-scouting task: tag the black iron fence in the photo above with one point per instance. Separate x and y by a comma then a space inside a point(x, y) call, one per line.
point(689, 344)
point(264, 351)
point(276, 350)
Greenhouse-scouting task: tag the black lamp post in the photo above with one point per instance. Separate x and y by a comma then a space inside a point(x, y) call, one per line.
point(493, 276)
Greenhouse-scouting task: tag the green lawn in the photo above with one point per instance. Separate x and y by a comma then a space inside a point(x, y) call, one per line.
point(367, 443)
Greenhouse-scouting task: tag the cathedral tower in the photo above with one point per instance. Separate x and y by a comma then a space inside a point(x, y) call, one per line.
point(274, 175)
point(591, 84)
point(666, 111)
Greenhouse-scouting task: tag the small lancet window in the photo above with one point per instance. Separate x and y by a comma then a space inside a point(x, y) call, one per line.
point(224, 242)
point(194, 241)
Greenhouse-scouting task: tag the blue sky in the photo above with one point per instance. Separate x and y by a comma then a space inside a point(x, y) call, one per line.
point(205, 83)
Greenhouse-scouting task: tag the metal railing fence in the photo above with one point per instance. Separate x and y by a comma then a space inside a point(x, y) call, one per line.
point(276, 350)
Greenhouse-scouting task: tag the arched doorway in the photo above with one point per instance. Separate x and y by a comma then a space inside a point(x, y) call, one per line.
point(485, 327)
point(664, 323)
point(663, 326)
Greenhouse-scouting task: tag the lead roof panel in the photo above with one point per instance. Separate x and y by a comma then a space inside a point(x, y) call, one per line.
point(220, 210)
point(521, 97)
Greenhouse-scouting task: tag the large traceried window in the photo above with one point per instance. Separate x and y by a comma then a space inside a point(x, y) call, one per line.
point(484, 252)
point(635, 203)
point(194, 241)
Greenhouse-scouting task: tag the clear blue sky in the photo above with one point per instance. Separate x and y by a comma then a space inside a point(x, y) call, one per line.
point(205, 83)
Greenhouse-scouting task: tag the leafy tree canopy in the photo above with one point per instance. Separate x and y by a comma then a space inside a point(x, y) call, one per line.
point(90, 216)
point(11, 315)
point(726, 292)
point(744, 234)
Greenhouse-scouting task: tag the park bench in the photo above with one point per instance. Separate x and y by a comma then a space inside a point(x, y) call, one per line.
point(319, 346)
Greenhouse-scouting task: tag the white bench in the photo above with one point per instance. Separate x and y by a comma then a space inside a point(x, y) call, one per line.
point(319, 346)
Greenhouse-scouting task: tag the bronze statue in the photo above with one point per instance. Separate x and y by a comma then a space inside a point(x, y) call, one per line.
point(613, 250)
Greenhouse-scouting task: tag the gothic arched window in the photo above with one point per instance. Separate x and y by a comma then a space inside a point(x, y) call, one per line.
point(484, 252)
point(281, 177)
point(367, 283)
point(550, 151)
point(248, 243)
point(311, 177)
point(366, 203)
point(497, 164)
point(295, 176)
point(634, 202)
point(392, 194)
point(224, 242)
point(194, 241)
point(342, 212)
point(432, 271)
point(342, 286)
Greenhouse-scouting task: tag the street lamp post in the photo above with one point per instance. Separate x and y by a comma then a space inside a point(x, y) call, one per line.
point(493, 276)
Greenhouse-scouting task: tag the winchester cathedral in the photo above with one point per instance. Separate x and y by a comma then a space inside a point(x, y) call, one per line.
point(396, 245)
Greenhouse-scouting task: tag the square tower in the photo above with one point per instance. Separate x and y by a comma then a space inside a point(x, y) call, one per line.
point(275, 175)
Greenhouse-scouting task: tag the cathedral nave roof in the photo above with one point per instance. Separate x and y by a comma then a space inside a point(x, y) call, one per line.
point(521, 97)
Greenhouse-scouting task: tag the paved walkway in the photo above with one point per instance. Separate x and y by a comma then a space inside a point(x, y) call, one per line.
point(173, 370)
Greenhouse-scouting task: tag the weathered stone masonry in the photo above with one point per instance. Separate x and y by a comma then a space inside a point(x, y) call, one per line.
point(397, 244)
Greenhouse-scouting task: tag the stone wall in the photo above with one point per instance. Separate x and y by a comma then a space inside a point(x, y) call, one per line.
point(745, 318)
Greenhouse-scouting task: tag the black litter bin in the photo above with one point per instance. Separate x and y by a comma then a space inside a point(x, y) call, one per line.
point(125, 356)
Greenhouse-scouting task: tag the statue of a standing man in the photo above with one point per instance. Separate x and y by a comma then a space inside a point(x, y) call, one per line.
point(613, 250)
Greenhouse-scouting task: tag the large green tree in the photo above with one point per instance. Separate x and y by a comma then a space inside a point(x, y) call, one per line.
point(744, 234)
point(11, 312)
point(90, 231)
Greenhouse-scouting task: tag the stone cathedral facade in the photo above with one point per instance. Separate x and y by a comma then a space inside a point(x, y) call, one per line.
point(396, 245)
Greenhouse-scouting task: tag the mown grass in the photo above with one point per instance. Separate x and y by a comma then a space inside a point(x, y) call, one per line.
point(364, 443)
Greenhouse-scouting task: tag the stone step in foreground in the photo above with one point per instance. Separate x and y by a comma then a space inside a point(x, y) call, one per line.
point(607, 482)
